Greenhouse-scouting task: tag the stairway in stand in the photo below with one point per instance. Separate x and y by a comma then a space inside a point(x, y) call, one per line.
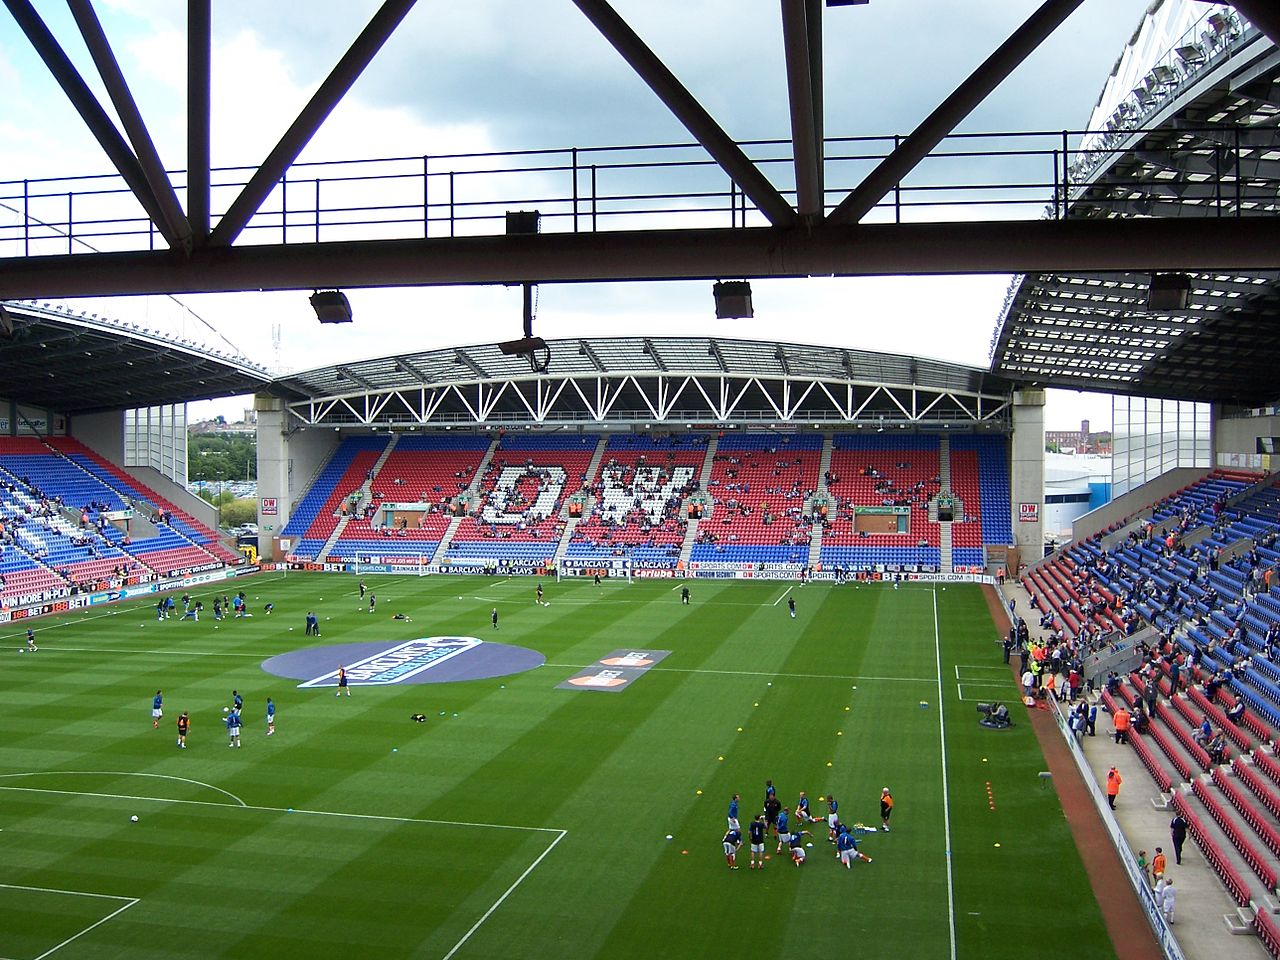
point(944, 529)
point(821, 495)
point(704, 477)
point(366, 489)
point(571, 523)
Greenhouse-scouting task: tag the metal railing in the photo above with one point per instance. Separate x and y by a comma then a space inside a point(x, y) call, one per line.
point(992, 176)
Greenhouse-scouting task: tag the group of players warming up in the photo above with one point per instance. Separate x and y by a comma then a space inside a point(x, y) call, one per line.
point(230, 718)
point(776, 821)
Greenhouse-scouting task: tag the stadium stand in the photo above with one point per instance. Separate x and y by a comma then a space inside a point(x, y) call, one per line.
point(881, 471)
point(521, 496)
point(980, 476)
point(53, 502)
point(759, 485)
point(637, 494)
point(427, 474)
point(318, 512)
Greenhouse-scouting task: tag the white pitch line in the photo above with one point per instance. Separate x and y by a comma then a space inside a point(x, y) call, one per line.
point(784, 594)
point(160, 653)
point(129, 902)
point(69, 893)
point(946, 801)
point(510, 890)
point(113, 914)
point(122, 773)
point(262, 809)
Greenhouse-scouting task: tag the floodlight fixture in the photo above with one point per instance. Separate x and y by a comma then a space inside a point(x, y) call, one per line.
point(733, 299)
point(523, 222)
point(522, 346)
point(1168, 292)
point(331, 306)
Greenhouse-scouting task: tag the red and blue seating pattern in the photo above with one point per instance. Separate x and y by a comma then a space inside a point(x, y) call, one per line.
point(55, 494)
point(875, 471)
point(637, 492)
point(759, 484)
point(522, 492)
point(317, 513)
point(430, 470)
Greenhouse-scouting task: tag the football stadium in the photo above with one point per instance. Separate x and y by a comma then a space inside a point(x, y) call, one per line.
point(692, 644)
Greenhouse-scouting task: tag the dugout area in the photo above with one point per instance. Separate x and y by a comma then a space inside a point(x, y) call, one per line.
point(532, 824)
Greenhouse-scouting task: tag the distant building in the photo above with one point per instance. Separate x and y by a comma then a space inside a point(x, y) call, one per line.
point(219, 425)
point(1078, 441)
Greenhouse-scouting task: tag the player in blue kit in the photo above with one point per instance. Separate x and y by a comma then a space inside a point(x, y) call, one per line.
point(791, 607)
point(160, 609)
point(157, 710)
point(847, 847)
point(796, 841)
point(271, 717)
point(802, 809)
point(756, 832)
point(233, 728)
point(833, 821)
point(733, 813)
point(342, 682)
point(732, 841)
point(781, 826)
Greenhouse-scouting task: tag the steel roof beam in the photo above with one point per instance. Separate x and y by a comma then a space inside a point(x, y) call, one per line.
point(714, 350)
point(688, 111)
point(199, 107)
point(1225, 244)
point(953, 110)
point(404, 366)
point(464, 358)
point(585, 349)
point(104, 58)
point(651, 351)
point(91, 112)
point(804, 92)
point(332, 90)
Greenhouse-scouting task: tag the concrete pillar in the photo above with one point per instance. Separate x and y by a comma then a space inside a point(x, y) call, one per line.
point(1027, 482)
point(273, 473)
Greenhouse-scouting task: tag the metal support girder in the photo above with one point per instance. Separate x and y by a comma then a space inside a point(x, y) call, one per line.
point(952, 111)
point(802, 89)
point(199, 100)
point(1242, 244)
point(1263, 14)
point(144, 148)
point(688, 111)
point(95, 118)
point(300, 132)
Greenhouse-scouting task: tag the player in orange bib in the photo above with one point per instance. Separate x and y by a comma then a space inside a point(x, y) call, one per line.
point(886, 808)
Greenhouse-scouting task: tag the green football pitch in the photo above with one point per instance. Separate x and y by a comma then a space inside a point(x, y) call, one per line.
point(522, 820)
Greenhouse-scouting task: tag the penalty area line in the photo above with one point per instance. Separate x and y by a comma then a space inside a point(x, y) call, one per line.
point(784, 594)
point(297, 810)
point(506, 893)
point(128, 902)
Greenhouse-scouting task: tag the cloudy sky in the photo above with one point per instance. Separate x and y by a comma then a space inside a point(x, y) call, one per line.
point(523, 74)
